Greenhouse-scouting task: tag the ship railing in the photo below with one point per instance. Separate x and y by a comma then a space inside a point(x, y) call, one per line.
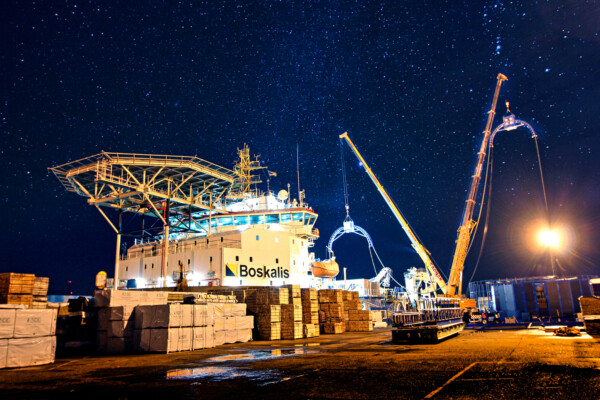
point(183, 247)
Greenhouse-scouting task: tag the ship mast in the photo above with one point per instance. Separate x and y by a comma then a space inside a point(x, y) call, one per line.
point(245, 168)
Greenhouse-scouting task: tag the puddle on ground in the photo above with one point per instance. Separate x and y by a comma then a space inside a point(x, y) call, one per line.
point(257, 355)
point(219, 374)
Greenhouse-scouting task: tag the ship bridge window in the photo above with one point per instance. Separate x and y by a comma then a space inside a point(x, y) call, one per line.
point(240, 220)
point(286, 218)
point(312, 219)
point(257, 219)
point(306, 219)
point(272, 218)
point(297, 216)
point(225, 221)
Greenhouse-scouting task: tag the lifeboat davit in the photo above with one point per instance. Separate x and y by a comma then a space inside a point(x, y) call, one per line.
point(325, 269)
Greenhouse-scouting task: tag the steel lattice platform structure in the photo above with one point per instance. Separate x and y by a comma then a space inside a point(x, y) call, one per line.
point(173, 190)
point(134, 182)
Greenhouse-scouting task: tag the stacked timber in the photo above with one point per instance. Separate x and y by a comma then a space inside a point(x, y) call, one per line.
point(154, 321)
point(17, 289)
point(116, 318)
point(331, 311)
point(27, 337)
point(310, 312)
point(232, 325)
point(590, 309)
point(265, 304)
point(40, 292)
point(355, 318)
point(291, 314)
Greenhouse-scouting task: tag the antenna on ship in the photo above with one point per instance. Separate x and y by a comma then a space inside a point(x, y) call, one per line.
point(300, 192)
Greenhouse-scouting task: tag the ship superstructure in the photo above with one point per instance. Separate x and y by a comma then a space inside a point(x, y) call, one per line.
point(210, 225)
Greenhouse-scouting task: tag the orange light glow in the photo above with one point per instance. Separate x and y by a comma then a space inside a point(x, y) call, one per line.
point(549, 238)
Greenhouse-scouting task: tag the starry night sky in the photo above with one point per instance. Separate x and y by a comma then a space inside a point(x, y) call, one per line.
point(410, 81)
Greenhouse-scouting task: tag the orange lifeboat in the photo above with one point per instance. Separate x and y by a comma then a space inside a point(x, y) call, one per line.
point(325, 269)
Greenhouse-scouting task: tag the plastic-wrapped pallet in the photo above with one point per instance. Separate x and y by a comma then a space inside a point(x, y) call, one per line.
point(164, 316)
point(7, 323)
point(203, 337)
point(25, 352)
point(245, 322)
point(113, 298)
point(35, 323)
point(166, 340)
point(3, 352)
point(27, 337)
point(203, 315)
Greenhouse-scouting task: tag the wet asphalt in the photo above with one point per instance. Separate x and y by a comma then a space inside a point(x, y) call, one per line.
point(499, 364)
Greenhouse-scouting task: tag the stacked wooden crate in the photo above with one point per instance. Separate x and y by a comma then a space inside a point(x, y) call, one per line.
point(27, 337)
point(291, 314)
point(310, 312)
point(264, 303)
point(16, 288)
point(356, 319)
point(40, 292)
point(331, 311)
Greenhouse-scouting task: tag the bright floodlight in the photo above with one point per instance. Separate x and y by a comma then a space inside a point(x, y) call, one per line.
point(549, 238)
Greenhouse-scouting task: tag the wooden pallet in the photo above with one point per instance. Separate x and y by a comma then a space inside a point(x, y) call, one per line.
point(13, 283)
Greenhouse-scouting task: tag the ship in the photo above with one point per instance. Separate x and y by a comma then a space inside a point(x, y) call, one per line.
point(196, 221)
point(262, 239)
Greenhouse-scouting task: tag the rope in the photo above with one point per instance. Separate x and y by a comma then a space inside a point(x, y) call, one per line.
point(345, 182)
point(537, 148)
point(489, 206)
point(372, 261)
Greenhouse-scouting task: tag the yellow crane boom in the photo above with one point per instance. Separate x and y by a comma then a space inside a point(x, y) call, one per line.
point(467, 223)
point(419, 248)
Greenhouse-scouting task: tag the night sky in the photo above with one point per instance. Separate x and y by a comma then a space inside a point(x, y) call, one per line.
point(410, 81)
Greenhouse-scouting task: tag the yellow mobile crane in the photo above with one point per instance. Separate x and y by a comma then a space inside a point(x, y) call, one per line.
point(419, 248)
point(440, 317)
point(454, 286)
